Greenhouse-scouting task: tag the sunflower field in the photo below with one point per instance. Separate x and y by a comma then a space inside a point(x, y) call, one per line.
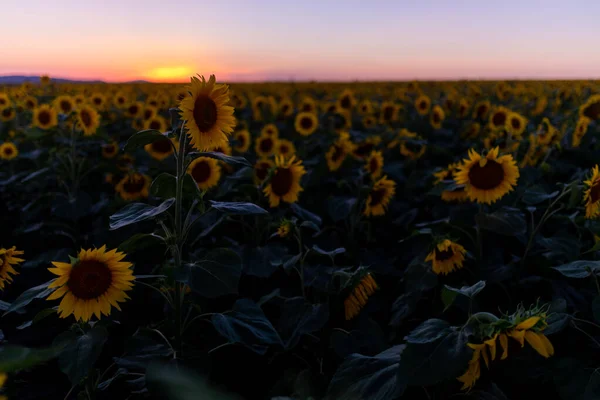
point(401, 240)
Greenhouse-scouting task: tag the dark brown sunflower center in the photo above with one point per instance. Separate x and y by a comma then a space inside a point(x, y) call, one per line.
point(306, 123)
point(345, 102)
point(65, 106)
point(29, 104)
point(499, 119)
point(373, 164)
point(487, 177)
point(110, 148)
point(153, 103)
point(284, 149)
point(44, 117)
point(462, 109)
point(592, 111)
point(205, 113)
point(154, 124)
point(89, 279)
point(308, 107)
point(364, 149)
point(423, 105)
point(285, 108)
point(2, 101)
point(7, 112)
point(388, 113)
point(134, 185)
point(338, 153)
point(436, 118)
point(330, 109)
point(8, 151)
point(282, 181)
point(377, 197)
point(515, 123)
point(241, 139)
point(86, 118)
point(120, 100)
point(443, 255)
point(266, 145)
point(133, 110)
point(481, 110)
point(148, 114)
point(162, 146)
point(124, 162)
point(595, 192)
point(201, 172)
point(97, 101)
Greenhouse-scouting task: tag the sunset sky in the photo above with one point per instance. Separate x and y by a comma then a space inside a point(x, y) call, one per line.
point(120, 40)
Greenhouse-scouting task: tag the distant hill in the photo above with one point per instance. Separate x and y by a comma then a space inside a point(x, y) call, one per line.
point(19, 79)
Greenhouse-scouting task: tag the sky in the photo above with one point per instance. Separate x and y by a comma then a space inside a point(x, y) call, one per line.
point(328, 40)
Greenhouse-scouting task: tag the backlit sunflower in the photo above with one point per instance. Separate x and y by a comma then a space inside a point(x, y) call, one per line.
point(487, 178)
point(261, 170)
point(499, 117)
point(580, 130)
point(380, 196)
point(45, 117)
point(374, 164)
point(209, 119)
point(591, 196)
point(446, 257)
point(265, 146)
point(422, 104)
point(306, 123)
point(44, 79)
point(157, 123)
point(30, 103)
point(338, 151)
point(88, 120)
point(149, 112)
point(437, 117)
point(481, 110)
point(591, 108)
point(369, 121)
point(205, 171)
point(546, 133)
point(515, 124)
point(134, 109)
point(346, 100)
point(259, 105)
point(4, 100)
point(362, 149)
point(134, 186)
point(270, 130)
point(161, 149)
point(241, 141)
point(120, 100)
point(109, 150)
point(7, 114)
point(389, 112)
point(64, 104)
point(463, 108)
point(286, 107)
point(7, 262)
point(285, 148)
point(412, 145)
point(358, 295)
point(92, 283)
point(365, 107)
point(8, 151)
point(98, 100)
point(285, 182)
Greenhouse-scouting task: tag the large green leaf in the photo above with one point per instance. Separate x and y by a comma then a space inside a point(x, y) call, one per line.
point(38, 292)
point(142, 138)
point(80, 352)
point(536, 195)
point(221, 157)
point(299, 318)
point(429, 331)
point(164, 186)
point(141, 241)
point(237, 208)
point(449, 293)
point(505, 221)
point(14, 358)
point(216, 274)
point(137, 212)
point(578, 269)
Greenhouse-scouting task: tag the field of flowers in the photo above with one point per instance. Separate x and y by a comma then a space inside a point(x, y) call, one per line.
point(409, 240)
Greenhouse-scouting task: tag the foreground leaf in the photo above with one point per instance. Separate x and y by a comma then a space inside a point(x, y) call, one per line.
point(238, 208)
point(142, 138)
point(217, 274)
point(39, 292)
point(80, 352)
point(137, 212)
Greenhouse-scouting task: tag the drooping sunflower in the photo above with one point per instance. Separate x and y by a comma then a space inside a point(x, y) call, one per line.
point(487, 178)
point(380, 196)
point(362, 149)
point(241, 140)
point(7, 114)
point(285, 182)
point(109, 150)
point(285, 148)
point(261, 170)
point(270, 130)
point(437, 117)
point(45, 117)
point(412, 145)
point(92, 283)
point(125, 162)
point(88, 120)
point(346, 100)
point(515, 124)
point(64, 104)
point(161, 149)
point(338, 152)
point(134, 186)
point(580, 130)
point(8, 151)
point(306, 123)
point(209, 119)
point(157, 122)
point(205, 171)
point(591, 196)
point(422, 104)
point(259, 105)
point(374, 164)
point(265, 146)
point(358, 295)
point(134, 109)
point(286, 107)
point(463, 108)
point(481, 110)
point(7, 262)
point(591, 108)
point(389, 112)
point(446, 257)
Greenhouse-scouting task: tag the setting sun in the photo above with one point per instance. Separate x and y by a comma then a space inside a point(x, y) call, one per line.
point(170, 74)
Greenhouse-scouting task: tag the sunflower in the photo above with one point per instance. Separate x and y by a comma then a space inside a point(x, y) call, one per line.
point(346, 100)
point(270, 130)
point(2, 381)
point(120, 100)
point(285, 148)
point(284, 229)
point(359, 295)
point(209, 120)
point(285, 182)
point(437, 117)
point(149, 112)
point(580, 130)
point(134, 109)
point(237, 101)
point(45, 117)
point(64, 104)
point(161, 149)
point(412, 145)
point(422, 104)
point(91, 283)
point(124, 162)
point(306, 123)
point(157, 123)
point(4, 100)
point(481, 110)
point(79, 99)
point(328, 108)
point(374, 164)
point(98, 100)
point(286, 107)
point(242, 141)
point(261, 170)
point(205, 171)
point(308, 104)
point(44, 79)
point(134, 186)
point(591, 196)
point(265, 146)
point(259, 104)
point(591, 108)
point(546, 132)
point(380, 196)
point(500, 139)
point(8, 151)
point(7, 261)
point(463, 108)
point(7, 114)
point(109, 150)
point(369, 121)
point(499, 117)
point(389, 112)
point(338, 151)
point(446, 257)
point(515, 124)
point(88, 120)
point(540, 105)
point(362, 149)
point(30, 103)
point(365, 107)
point(488, 178)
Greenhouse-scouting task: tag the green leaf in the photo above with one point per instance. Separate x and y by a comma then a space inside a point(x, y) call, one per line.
point(429, 331)
point(38, 317)
point(299, 317)
point(505, 221)
point(448, 297)
point(15, 358)
point(142, 138)
point(141, 241)
point(164, 186)
point(237, 208)
point(35, 174)
point(363, 377)
point(222, 157)
point(310, 225)
point(469, 291)
point(578, 269)
point(217, 274)
point(331, 253)
point(80, 352)
point(137, 212)
point(39, 292)
point(305, 214)
point(536, 195)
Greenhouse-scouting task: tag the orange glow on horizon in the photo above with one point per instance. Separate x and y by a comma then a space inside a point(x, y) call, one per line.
point(174, 74)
